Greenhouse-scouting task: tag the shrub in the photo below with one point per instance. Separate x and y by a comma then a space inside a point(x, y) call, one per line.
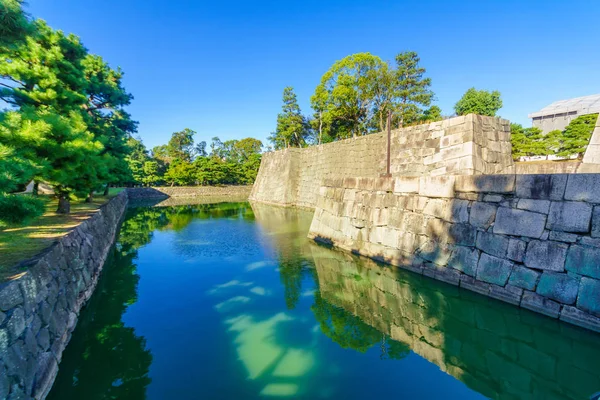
point(15, 209)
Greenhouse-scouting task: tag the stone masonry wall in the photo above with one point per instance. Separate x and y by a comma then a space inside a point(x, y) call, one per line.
point(143, 193)
point(468, 145)
point(39, 309)
point(530, 240)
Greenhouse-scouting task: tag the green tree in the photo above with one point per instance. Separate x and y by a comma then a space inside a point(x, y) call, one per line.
point(432, 114)
point(181, 173)
point(528, 142)
point(136, 158)
point(576, 136)
point(292, 129)
point(410, 88)
point(14, 23)
point(181, 145)
point(479, 102)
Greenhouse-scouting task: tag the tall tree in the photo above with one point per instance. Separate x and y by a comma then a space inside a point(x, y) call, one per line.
point(411, 88)
point(480, 102)
point(576, 136)
point(14, 23)
point(181, 145)
point(292, 129)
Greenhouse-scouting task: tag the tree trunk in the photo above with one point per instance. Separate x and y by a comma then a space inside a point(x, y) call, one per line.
point(106, 189)
point(64, 204)
point(36, 188)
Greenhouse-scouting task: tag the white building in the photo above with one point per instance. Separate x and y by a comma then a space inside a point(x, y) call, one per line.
point(560, 113)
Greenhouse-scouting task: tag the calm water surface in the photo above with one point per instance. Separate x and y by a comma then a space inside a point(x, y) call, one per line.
point(231, 301)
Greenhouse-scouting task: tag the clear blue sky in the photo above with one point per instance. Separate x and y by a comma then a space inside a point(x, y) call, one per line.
point(219, 67)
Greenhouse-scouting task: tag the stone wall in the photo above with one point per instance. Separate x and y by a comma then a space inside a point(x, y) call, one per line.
point(500, 351)
point(468, 145)
point(144, 193)
point(592, 153)
point(556, 167)
point(530, 240)
point(39, 309)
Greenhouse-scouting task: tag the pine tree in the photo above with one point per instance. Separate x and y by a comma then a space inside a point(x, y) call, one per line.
point(410, 88)
point(292, 128)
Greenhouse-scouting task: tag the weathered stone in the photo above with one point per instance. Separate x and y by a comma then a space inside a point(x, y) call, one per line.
point(516, 250)
point(493, 198)
point(540, 206)
point(485, 183)
point(16, 360)
point(575, 316)
point(464, 259)
point(563, 237)
point(583, 187)
point(44, 377)
point(439, 186)
point(493, 269)
point(546, 255)
point(490, 243)
point(474, 285)
point(560, 287)
point(535, 302)
point(596, 222)
point(588, 241)
point(2, 317)
point(447, 275)
point(16, 324)
point(524, 278)
point(568, 216)
point(543, 187)
point(462, 234)
point(519, 223)
point(17, 393)
point(406, 184)
point(10, 295)
point(482, 214)
point(509, 294)
point(583, 260)
point(4, 341)
point(589, 296)
point(4, 382)
point(43, 339)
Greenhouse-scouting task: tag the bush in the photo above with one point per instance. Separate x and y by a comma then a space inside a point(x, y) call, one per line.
point(15, 209)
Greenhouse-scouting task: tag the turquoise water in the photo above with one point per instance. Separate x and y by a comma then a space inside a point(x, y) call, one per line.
point(229, 300)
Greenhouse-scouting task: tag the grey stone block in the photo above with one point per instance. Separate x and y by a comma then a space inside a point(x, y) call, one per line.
point(560, 287)
point(509, 294)
point(588, 241)
point(486, 183)
point(519, 223)
point(490, 243)
point(543, 187)
point(4, 382)
point(563, 237)
point(493, 198)
point(583, 187)
point(596, 222)
point(474, 285)
point(569, 216)
point(16, 324)
point(589, 296)
point(482, 214)
point(524, 277)
point(583, 260)
point(575, 316)
point(540, 206)
point(462, 234)
point(546, 255)
point(10, 295)
point(516, 250)
point(464, 259)
point(493, 269)
point(534, 302)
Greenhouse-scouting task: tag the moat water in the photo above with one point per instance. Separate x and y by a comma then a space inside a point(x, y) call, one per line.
point(231, 301)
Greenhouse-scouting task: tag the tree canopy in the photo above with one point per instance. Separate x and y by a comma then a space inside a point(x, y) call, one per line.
point(292, 127)
point(480, 102)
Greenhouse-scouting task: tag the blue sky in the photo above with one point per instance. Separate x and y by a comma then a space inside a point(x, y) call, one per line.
point(219, 67)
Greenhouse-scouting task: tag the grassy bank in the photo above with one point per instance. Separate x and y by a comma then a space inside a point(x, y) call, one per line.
point(21, 242)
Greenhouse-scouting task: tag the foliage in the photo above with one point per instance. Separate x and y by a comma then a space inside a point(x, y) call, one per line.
point(292, 128)
point(181, 145)
point(411, 89)
point(14, 23)
point(479, 102)
point(576, 136)
point(15, 209)
point(432, 114)
point(528, 142)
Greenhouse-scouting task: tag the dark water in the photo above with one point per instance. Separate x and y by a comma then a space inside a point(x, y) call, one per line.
point(230, 301)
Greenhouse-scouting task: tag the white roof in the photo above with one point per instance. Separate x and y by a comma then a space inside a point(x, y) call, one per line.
point(582, 105)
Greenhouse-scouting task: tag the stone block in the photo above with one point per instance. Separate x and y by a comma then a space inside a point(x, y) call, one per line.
point(569, 216)
point(588, 241)
point(16, 324)
point(439, 186)
point(540, 206)
point(405, 184)
point(543, 187)
point(493, 198)
point(546, 255)
point(464, 259)
point(534, 302)
point(490, 243)
point(474, 285)
point(509, 294)
point(563, 237)
point(519, 223)
point(524, 278)
point(575, 316)
point(10, 295)
point(493, 269)
point(462, 234)
point(482, 214)
point(583, 260)
point(583, 187)
point(596, 222)
point(516, 250)
point(589, 296)
point(560, 287)
point(485, 183)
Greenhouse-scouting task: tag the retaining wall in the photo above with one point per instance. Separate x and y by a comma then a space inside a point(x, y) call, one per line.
point(143, 193)
point(39, 309)
point(529, 240)
point(467, 145)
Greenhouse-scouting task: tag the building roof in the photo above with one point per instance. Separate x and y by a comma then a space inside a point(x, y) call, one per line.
point(582, 105)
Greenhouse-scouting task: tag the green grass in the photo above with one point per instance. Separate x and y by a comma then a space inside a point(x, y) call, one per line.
point(21, 242)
